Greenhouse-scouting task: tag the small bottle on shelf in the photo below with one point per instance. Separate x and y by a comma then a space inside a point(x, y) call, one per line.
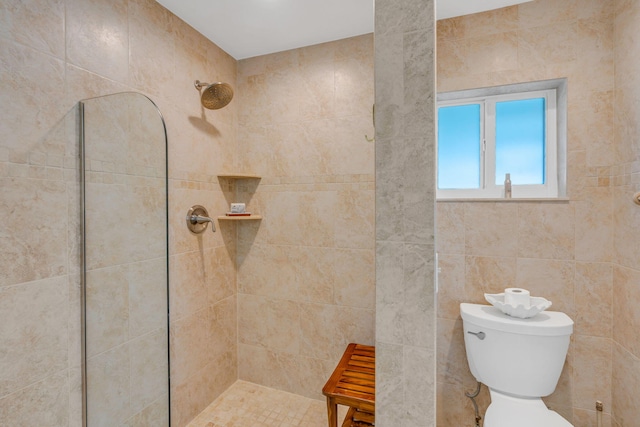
point(507, 186)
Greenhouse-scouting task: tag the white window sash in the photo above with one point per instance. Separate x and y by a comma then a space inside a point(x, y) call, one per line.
point(488, 187)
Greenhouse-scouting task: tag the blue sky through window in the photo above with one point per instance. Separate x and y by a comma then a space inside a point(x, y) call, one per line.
point(459, 146)
point(520, 141)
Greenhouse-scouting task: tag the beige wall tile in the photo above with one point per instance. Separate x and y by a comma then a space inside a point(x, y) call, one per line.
point(253, 359)
point(271, 323)
point(546, 231)
point(451, 58)
point(595, 35)
point(302, 216)
point(82, 84)
point(453, 367)
point(592, 371)
point(267, 270)
point(497, 52)
point(149, 360)
point(547, 11)
point(108, 387)
point(626, 382)
point(354, 224)
point(453, 28)
point(451, 285)
point(551, 279)
point(42, 403)
point(34, 332)
point(625, 20)
point(488, 275)
point(626, 219)
point(189, 347)
point(326, 330)
point(355, 278)
point(223, 333)
point(315, 274)
point(450, 400)
point(491, 229)
point(187, 283)
point(594, 234)
point(114, 228)
point(154, 414)
point(548, 44)
point(193, 396)
point(31, 81)
point(491, 22)
point(29, 256)
point(97, 37)
point(561, 399)
point(593, 297)
point(37, 24)
point(626, 316)
point(309, 376)
point(147, 296)
point(449, 228)
point(107, 304)
point(220, 274)
point(588, 418)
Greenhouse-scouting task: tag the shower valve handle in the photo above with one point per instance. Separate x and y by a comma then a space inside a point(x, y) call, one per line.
point(199, 219)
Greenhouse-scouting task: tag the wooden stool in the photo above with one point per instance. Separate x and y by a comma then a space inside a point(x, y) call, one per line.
point(353, 384)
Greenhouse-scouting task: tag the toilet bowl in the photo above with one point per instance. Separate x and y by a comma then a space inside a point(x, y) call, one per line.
point(520, 360)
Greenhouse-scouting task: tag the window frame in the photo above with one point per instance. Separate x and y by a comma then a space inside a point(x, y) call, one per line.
point(554, 92)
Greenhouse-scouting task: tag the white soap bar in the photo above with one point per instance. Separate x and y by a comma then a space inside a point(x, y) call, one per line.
point(238, 207)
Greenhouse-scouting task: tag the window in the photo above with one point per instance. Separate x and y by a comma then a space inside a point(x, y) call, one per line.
point(484, 134)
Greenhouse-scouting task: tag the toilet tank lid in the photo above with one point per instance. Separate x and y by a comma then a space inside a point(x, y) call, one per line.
point(547, 323)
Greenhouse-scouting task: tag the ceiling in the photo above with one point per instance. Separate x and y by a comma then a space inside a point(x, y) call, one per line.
point(247, 28)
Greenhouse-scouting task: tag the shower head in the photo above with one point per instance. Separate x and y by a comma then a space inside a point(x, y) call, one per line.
point(214, 95)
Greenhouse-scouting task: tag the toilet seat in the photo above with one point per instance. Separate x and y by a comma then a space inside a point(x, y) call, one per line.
point(509, 411)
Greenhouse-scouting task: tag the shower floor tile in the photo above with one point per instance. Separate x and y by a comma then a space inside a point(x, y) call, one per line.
point(246, 404)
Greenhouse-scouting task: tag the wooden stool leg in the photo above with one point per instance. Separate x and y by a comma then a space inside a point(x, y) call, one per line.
point(332, 411)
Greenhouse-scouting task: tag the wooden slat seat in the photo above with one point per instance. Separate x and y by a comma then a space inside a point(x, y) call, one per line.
point(353, 384)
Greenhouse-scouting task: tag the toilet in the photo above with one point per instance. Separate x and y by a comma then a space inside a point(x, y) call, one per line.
point(520, 360)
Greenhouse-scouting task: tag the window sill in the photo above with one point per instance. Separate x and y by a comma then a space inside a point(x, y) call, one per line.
point(513, 200)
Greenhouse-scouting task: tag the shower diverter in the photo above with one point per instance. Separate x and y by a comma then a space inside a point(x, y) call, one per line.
point(198, 218)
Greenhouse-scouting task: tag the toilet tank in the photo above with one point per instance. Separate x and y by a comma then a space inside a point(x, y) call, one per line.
point(521, 357)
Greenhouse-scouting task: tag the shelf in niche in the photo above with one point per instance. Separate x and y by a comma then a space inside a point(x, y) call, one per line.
point(239, 218)
point(239, 176)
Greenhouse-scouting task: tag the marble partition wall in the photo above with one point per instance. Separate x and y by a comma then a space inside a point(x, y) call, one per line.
point(306, 270)
point(405, 202)
point(559, 250)
point(53, 54)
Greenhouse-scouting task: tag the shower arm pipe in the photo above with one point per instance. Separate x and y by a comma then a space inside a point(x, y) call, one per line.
point(200, 219)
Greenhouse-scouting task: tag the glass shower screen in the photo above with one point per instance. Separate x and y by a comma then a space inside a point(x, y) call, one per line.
point(125, 289)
